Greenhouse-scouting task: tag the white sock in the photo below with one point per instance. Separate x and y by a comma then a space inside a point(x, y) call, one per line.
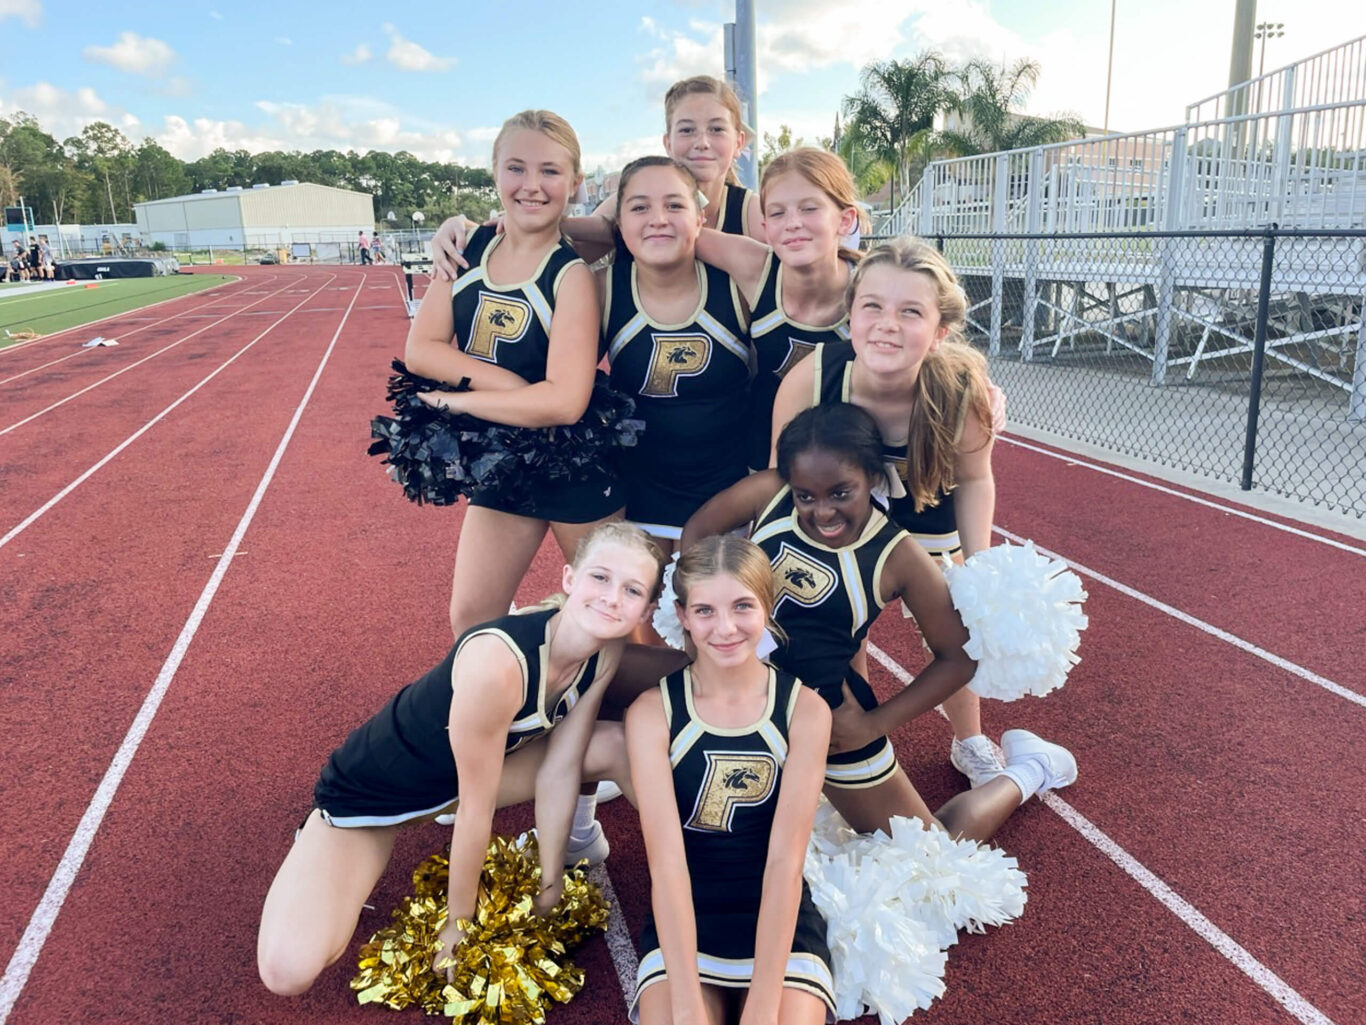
point(1028, 774)
point(585, 816)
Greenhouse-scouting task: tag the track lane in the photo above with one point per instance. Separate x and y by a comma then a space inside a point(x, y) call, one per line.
point(99, 596)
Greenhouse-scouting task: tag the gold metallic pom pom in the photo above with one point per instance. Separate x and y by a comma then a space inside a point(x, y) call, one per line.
point(512, 962)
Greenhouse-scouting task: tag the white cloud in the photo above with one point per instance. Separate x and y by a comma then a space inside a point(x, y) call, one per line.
point(30, 12)
point(63, 113)
point(215, 15)
point(138, 55)
point(359, 55)
point(284, 40)
point(409, 56)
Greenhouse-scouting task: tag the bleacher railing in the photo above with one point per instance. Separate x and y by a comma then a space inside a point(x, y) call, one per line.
point(1333, 76)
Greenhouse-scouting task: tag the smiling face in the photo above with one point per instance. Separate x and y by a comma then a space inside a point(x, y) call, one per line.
point(802, 222)
point(658, 216)
point(703, 135)
point(833, 497)
point(894, 319)
point(611, 588)
point(535, 178)
point(724, 618)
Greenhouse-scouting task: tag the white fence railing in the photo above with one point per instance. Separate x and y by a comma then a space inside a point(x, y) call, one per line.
point(1305, 168)
point(1332, 76)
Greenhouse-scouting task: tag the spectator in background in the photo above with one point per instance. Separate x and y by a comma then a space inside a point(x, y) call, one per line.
point(364, 243)
point(18, 263)
point(46, 265)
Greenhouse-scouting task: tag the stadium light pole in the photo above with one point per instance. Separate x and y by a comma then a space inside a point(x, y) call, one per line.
point(1109, 69)
point(739, 45)
point(1267, 30)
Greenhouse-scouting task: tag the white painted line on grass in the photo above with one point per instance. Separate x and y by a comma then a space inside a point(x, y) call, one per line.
point(1264, 977)
point(45, 915)
point(1267, 980)
point(32, 517)
point(116, 316)
point(116, 373)
point(1200, 624)
point(1232, 510)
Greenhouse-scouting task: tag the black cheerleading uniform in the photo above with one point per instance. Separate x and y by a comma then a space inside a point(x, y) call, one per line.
point(934, 527)
point(399, 766)
point(509, 326)
point(780, 343)
point(726, 783)
point(735, 201)
point(825, 601)
point(690, 383)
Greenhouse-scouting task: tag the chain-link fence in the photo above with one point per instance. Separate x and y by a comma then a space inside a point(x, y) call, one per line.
point(1238, 355)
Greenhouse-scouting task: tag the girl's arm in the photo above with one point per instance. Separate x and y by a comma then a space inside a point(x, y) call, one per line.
point(754, 221)
point(647, 746)
point(795, 394)
point(563, 396)
point(803, 777)
point(486, 691)
point(592, 236)
point(557, 780)
point(738, 505)
point(740, 256)
point(429, 350)
point(974, 500)
point(911, 575)
point(448, 246)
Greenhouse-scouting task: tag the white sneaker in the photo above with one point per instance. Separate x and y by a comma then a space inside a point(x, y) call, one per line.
point(976, 758)
point(593, 848)
point(1058, 764)
point(608, 791)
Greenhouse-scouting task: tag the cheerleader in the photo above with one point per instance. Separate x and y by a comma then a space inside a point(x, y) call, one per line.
point(519, 330)
point(795, 289)
point(741, 746)
point(676, 336)
point(703, 130)
point(507, 716)
point(838, 557)
point(927, 389)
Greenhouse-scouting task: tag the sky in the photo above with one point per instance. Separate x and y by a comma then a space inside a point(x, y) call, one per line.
point(438, 78)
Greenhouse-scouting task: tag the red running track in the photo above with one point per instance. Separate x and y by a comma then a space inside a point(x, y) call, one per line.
point(1230, 779)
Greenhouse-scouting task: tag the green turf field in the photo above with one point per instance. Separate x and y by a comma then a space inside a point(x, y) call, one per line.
point(71, 305)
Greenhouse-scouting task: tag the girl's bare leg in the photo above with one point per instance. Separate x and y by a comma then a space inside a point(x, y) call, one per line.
point(491, 558)
point(311, 909)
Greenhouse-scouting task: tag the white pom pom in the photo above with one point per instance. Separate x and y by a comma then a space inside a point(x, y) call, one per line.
point(665, 619)
point(1024, 619)
point(893, 906)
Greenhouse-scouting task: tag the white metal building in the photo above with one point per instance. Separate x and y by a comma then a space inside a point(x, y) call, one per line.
point(261, 216)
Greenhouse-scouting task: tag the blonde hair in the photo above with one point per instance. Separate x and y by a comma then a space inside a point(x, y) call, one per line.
point(952, 382)
point(825, 171)
point(705, 85)
point(549, 124)
point(733, 556)
point(611, 532)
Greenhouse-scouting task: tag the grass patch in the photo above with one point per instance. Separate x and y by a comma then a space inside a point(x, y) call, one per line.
point(58, 309)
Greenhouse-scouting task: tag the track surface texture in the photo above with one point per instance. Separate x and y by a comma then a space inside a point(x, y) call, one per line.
point(207, 583)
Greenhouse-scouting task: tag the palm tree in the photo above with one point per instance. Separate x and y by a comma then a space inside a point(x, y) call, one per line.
point(990, 97)
point(898, 99)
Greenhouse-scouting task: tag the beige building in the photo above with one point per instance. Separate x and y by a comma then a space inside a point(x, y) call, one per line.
point(264, 216)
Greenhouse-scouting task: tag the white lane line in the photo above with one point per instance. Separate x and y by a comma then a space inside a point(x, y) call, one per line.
point(44, 366)
point(618, 937)
point(115, 316)
point(1264, 977)
point(1267, 980)
point(116, 373)
point(45, 915)
point(1232, 510)
point(33, 516)
point(1200, 624)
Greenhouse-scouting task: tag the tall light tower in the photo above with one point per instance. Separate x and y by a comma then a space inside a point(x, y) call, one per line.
point(1267, 30)
point(739, 42)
